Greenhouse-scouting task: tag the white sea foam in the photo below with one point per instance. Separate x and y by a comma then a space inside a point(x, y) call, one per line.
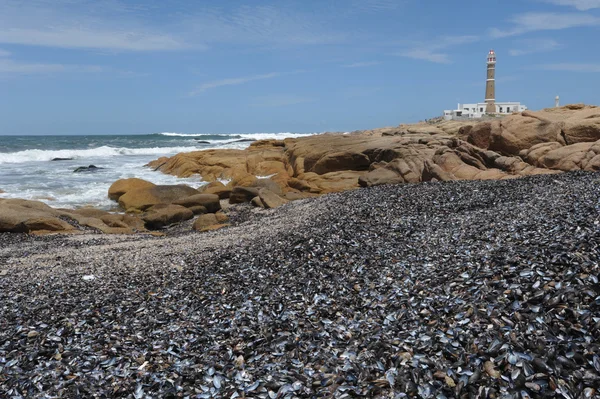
point(100, 152)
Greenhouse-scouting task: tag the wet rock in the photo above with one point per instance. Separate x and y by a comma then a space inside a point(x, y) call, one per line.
point(61, 159)
point(84, 169)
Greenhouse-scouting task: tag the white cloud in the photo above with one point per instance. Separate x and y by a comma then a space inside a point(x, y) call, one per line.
point(570, 67)
point(232, 82)
point(11, 67)
point(532, 21)
point(581, 5)
point(427, 55)
point(435, 51)
point(280, 100)
point(531, 46)
point(362, 64)
point(4, 53)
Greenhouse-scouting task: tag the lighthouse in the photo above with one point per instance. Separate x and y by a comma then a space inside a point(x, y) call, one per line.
point(489, 106)
point(490, 85)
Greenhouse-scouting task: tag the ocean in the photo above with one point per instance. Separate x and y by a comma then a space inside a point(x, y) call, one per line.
point(42, 167)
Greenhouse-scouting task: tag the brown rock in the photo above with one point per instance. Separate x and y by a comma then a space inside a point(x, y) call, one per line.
point(565, 125)
point(208, 201)
point(341, 161)
point(143, 198)
point(269, 185)
point(380, 176)
point(221, 217)
point(24, 216)
point(480, 135)
point(163, 215)
point(257, 202)
point(120, 187)
point(299, 184)
point(242, 194)
point(204, 221)
point(198, 209)
point(218, 188)
point(269, 199)
point(292, 196)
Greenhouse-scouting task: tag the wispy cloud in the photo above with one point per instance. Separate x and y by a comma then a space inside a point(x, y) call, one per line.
point(280, 100)
point(11, 67)
point(90, 39)
point(569, 67)
point(232, 82)
point(530, 46)
point(581, 5)
point(427, 55)
point(362, 64)
point(265, 25)
point(534, 21)
point(375, 5)
point(4, 53)
point(435, 51)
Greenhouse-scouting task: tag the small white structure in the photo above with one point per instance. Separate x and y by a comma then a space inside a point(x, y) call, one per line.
point(471, 111)
point(557, 102)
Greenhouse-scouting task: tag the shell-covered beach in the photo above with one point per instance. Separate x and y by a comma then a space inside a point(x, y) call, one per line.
point(453, 289)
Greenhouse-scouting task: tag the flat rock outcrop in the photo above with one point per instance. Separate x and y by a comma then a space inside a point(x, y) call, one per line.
point(140, 199)
point(26, 216)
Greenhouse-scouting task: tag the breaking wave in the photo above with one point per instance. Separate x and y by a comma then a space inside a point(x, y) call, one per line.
point(100, 152)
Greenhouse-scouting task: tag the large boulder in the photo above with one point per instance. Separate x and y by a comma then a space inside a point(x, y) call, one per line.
point(140, 199)
point(163, 215)
point(210, 202)
point(121, 186)
point(24, 216)
point(479, 135)
point(566, 125)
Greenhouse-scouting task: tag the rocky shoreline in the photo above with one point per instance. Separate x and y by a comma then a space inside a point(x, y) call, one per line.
point(270, 173)
point(458, 289)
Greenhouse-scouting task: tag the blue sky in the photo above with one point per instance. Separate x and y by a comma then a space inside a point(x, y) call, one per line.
point(118, 67)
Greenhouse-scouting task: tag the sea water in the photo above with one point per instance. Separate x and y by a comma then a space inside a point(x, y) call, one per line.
point(42, 167)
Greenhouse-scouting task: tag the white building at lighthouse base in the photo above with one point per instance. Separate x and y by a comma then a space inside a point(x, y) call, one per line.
point(472, 111)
